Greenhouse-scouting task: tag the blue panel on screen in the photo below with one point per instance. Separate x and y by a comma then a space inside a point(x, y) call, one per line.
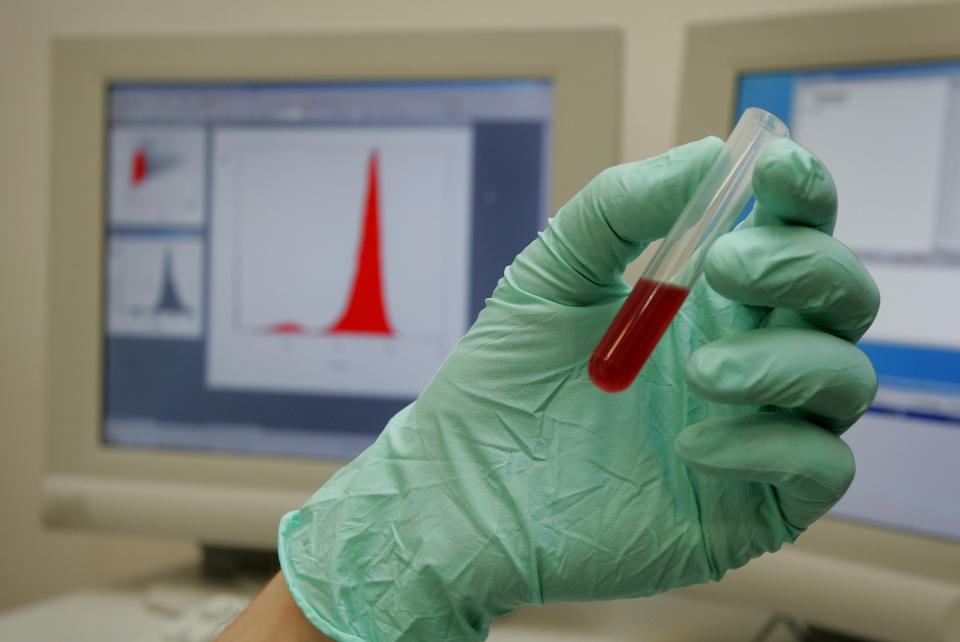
point(932, 367)
point(770, 91)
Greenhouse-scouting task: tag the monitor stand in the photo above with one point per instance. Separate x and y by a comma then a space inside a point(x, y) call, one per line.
point(797, 631)
point(815, 634)
point(226, 563)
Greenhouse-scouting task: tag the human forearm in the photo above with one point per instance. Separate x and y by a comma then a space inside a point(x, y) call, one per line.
point(273, 615)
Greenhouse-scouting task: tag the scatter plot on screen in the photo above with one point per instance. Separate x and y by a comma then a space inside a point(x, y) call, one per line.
point(156, 176)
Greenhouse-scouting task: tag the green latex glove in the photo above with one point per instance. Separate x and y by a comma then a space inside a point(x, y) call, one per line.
point(513, 480)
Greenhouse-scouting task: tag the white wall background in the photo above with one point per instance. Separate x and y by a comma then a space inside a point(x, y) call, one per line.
point(35, 562)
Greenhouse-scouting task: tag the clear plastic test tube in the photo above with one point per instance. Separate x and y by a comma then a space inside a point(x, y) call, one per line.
point(678, 262)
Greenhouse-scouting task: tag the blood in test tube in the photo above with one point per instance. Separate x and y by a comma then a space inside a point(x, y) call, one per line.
point(711, 211)
point(634, 333)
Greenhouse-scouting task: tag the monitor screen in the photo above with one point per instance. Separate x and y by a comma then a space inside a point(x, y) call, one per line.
point(890, 136)
point(287, 265)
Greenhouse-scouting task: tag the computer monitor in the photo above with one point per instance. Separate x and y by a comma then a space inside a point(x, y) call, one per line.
point(876, 95)
point(289, 263)
point(263, 247)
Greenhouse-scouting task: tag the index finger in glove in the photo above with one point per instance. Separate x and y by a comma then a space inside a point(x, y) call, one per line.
point(796, 268)
point(792, 188)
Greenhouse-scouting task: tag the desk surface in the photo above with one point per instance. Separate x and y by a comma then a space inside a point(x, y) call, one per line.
point(126, 613)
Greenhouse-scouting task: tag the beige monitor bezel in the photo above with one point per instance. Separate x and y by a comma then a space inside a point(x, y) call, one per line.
point(716, 54)
point(167, 491)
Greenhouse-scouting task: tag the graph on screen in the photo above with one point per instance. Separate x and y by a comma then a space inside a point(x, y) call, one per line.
point(156, 176)
point(365, 310)
point(339, 258)
point(169, 300)
point(155, 286)
point(138, 167)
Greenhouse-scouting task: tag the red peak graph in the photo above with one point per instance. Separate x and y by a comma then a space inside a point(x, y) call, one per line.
point(366, 311)
point(138, 167)
point(287, 327)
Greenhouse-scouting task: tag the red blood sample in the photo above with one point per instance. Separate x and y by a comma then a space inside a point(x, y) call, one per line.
point(634, 333)
point(138, 167)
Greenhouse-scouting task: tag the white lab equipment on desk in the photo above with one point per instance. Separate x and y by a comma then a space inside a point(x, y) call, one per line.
point(179, 607)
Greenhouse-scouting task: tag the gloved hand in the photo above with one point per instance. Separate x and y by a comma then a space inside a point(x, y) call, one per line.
point(512, 480)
